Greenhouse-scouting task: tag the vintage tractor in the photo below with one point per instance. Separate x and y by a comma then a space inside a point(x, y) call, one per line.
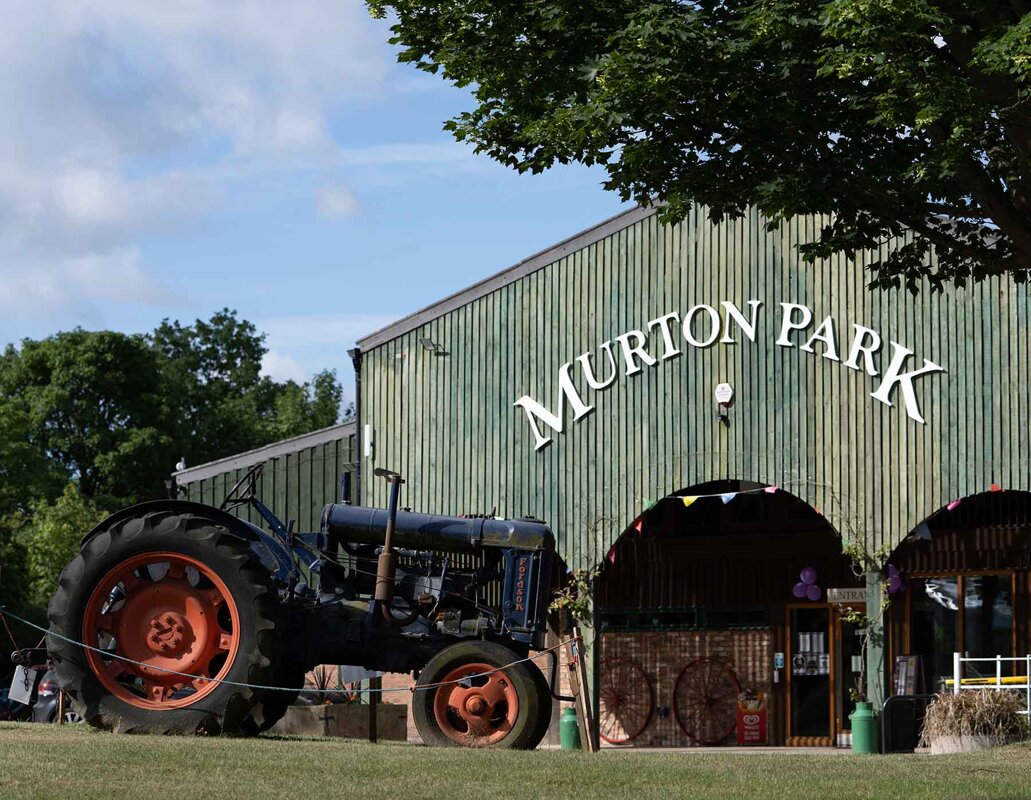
point(191, 616)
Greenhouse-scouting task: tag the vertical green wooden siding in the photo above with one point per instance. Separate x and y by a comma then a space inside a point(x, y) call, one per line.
point(799, 421)
point(295, 485)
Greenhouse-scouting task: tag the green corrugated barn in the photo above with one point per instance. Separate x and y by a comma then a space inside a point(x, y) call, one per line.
point(581, 386)
point(298, 477)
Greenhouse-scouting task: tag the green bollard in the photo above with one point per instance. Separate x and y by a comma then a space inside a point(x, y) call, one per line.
point(864, 729)
point(569, 730)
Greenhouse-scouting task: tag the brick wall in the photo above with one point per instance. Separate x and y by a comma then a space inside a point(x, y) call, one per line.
point(664, 654)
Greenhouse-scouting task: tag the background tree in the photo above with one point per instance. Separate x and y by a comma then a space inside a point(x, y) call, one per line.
point(894, 116)
point(307, 407)
point(94, 409)
point(52, 539)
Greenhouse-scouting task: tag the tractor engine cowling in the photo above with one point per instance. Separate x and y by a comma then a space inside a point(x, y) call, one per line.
point(366, 525)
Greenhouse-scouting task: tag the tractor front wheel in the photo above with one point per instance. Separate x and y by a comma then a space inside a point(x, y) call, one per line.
point(179, 617)
point(471, 694)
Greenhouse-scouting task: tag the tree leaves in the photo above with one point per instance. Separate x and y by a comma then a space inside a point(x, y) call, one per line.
point(888, 115)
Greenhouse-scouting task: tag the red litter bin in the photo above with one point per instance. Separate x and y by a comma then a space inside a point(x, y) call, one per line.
point(751, 718)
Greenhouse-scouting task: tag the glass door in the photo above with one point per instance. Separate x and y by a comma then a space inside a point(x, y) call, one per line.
point(848, 674)
point(810, 678)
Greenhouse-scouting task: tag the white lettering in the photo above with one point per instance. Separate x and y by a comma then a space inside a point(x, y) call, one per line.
point(795, 317)
point(893, 376)
point(663, 324)
point(788, 325)
point(714, 325)
point(585, 365)
point(868, 350)
point(637, 350)
point(747, 326)
point(825, 334)
point(536, 413)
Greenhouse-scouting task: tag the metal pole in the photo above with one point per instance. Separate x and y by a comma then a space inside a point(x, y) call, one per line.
point(957, 669)
point(998, 672)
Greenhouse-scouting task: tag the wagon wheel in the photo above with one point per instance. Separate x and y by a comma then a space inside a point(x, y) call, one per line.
point(705, 700)
point(625, 700)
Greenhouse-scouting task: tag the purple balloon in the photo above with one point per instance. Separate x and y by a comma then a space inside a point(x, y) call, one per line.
point(894, 584)
point(808, 576)
point(798, 590)
point(813, 592)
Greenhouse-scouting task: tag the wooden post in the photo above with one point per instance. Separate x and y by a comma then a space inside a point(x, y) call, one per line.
point(60, 707)
point(580, 686)
point(371, 696)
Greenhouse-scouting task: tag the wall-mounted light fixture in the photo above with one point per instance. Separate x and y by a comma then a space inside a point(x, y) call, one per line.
point(432, 347)
point(724, 397)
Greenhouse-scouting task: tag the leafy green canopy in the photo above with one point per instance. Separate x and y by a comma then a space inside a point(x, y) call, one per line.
point(907, 121)
point(115, 412)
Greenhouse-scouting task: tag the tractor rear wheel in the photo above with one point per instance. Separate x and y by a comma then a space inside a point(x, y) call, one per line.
point(274, 704)
point(485, 700)
point(179, 617)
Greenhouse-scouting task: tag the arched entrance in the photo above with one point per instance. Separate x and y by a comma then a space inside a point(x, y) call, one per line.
point(719, 595)
point(959, 582)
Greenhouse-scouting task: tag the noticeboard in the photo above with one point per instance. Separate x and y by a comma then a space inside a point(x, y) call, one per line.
point(907, 674)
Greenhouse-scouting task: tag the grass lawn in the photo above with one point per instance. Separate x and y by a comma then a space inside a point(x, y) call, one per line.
point(44, 761)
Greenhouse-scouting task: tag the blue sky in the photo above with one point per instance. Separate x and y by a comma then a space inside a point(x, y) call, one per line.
point(168, 160)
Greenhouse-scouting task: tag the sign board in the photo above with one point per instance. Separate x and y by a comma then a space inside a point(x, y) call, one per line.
point(724, 393)
point(846, 595)
point(907, 674)
point(23, 685)
point(751, 718)
point(778, 661)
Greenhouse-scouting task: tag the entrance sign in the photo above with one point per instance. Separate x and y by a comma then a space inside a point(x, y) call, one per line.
point(701, 326)
point(846, 595)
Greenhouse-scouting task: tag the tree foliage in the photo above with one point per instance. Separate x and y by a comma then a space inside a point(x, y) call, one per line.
point(907, 121)
point(52, 538)
point(94, 407)
point(115, 412)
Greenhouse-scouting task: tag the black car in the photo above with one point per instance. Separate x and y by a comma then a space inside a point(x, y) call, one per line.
point(45, 707)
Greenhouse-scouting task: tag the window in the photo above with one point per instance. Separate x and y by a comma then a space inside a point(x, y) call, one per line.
point(970, 614)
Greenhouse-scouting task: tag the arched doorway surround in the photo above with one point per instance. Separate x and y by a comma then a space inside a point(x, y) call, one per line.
point(961, 584)
point(725, 577)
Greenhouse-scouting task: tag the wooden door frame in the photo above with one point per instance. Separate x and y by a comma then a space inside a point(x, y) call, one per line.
point(810, 741)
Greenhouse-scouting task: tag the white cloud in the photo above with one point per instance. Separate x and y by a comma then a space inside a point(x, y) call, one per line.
point(283, 367)
point(121, 119)
point(336, 202)
point(72, 287)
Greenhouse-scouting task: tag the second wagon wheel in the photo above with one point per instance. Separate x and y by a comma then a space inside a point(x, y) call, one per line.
point(705, 700)
point(625, 700)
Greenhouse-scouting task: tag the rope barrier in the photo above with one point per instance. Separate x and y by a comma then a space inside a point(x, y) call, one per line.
point(9, 634)
point(4, 611)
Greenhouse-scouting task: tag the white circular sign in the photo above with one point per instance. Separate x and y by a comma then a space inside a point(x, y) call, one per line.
point(724, 393)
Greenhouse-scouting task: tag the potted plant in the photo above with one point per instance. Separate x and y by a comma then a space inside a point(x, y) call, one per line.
point(974, 720)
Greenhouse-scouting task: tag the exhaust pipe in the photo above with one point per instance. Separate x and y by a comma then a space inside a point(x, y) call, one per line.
point(386, 566)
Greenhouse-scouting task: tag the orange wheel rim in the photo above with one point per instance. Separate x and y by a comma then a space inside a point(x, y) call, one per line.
point(476, 711)
point(168, 613)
